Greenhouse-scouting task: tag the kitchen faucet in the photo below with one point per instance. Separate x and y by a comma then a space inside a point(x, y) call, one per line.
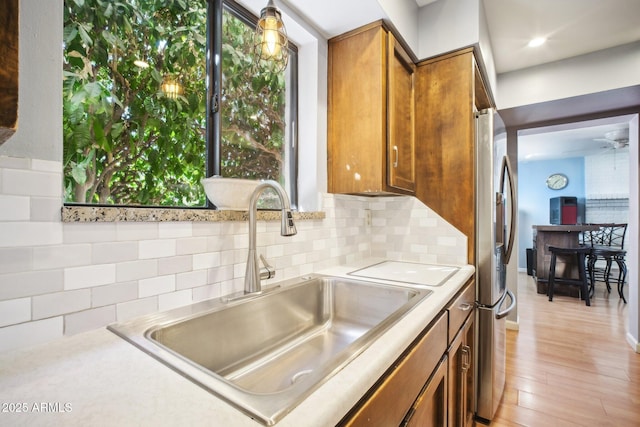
point(253, 274)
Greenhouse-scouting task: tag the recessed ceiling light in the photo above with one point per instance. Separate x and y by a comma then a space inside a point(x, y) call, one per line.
point(538, 41)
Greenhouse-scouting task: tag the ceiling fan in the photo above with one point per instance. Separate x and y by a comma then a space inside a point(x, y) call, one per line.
point(615, 139)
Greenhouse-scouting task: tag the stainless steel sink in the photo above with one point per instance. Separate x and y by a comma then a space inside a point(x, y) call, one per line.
point(264, 354)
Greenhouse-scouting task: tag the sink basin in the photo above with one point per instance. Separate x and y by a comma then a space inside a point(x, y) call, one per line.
point(264, 354)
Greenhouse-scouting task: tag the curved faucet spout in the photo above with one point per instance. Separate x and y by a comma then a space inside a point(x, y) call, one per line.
point(287, 228)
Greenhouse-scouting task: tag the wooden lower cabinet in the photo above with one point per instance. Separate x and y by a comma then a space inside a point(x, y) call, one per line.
point(461, 356)
point(430, 409)
point(431, 384)
point(389, 401)
point(461, 378)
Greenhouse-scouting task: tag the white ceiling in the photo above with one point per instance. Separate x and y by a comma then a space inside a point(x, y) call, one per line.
point(572, 27)
point(580, 139)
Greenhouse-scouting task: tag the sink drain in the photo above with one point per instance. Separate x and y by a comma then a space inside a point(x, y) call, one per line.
point(300, 374)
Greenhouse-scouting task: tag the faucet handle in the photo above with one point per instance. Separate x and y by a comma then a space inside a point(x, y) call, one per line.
point(268, 272)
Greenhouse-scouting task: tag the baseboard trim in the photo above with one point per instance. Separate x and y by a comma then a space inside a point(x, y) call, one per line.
point(633, 342)
point(513, 325)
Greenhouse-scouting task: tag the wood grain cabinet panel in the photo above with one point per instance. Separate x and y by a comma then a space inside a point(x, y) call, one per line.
point(430, 409)
point(461, 354)
point(9, 42)
point(461, 376)
point(401, 121)
point(449, 89)
point(371, 132)
point(394, 396)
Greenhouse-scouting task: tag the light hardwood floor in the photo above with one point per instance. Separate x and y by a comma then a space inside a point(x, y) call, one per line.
point(569, 364)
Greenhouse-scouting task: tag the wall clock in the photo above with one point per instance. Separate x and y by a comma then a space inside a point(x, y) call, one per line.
point(557, 181)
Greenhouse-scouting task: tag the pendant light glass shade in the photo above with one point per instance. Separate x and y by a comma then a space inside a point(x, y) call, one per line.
point(171, 87)
point(271, 42)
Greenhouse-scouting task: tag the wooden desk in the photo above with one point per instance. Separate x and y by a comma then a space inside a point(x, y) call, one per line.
point(566, 236)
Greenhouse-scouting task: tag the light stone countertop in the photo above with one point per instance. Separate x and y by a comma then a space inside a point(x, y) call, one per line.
point(97, 378)
point(79, 213)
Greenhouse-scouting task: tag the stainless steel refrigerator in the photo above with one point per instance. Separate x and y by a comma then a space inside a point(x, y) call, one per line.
point(495, 231)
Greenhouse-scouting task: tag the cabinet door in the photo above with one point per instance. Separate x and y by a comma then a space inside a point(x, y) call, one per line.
point(391, 399)
point(461, 377)
point(357, 112)
point(401, 168)
point(470, 348)
point(9, 41)
point(430, 409)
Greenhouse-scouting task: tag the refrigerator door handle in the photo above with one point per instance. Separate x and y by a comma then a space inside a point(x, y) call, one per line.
point(504, 313)
point(506, 174)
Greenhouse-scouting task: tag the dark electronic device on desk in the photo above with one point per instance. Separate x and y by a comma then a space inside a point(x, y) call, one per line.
point(565, 211)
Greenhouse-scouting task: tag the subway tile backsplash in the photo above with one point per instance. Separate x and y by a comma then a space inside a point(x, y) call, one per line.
point(60, 278)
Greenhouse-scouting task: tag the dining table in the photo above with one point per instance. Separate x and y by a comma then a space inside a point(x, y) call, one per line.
point(562, 235)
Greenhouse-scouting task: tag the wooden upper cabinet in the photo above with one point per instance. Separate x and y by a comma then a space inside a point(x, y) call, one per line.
point(449, 89)
point(9, 26)
point(401, 118)
point(370, 114)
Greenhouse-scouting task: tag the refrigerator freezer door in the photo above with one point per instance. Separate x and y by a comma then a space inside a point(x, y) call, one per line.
point(491, 362)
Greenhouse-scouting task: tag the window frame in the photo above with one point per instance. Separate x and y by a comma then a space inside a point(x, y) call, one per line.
point(213, 138)
point(214, 129)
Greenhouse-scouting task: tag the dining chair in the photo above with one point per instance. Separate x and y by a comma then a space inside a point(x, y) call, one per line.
point(607, 245)
point(580, 253)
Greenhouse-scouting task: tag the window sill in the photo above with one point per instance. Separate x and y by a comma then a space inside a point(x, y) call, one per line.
point(126, 214)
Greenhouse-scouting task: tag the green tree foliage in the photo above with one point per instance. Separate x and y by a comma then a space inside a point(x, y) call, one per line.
point(125, 141)
point(253, 108)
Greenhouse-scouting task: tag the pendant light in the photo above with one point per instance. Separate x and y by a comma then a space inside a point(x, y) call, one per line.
point(271, 42)
point(171, 87)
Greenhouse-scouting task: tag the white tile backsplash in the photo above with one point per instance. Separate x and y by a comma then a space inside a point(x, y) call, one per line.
point(61, 256)
point(135, 231)
point(113, 294)
point(114, 252)
point(15, 311)
point(45, 209)
point(31, 333)
point(31, 183)
point(191, 245)
point(13, 260)
point(29, 283)
point(87, 320)
point(206, 260)
point(89, 276)
point(20, 234)
point(193, 279)
point(176, 264)
point(156, 286)
point(15, 208)
point(156, 248)
point(137, 307)
point(75, 232)
point(135, 270)
point(175, 299)
point(58, 303)
point(79, 276)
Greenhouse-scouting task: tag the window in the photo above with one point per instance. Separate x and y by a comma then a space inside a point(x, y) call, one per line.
point(136, 107)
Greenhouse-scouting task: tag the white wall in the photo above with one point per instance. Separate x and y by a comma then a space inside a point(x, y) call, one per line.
point(39, 25)
point(404, 15)
point(448, 25)
point(60, 278)
point(596, 72)
point(633, 253)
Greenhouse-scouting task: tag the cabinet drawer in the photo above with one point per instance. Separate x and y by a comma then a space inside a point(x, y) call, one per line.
point(391, 399)
point(460, 308)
